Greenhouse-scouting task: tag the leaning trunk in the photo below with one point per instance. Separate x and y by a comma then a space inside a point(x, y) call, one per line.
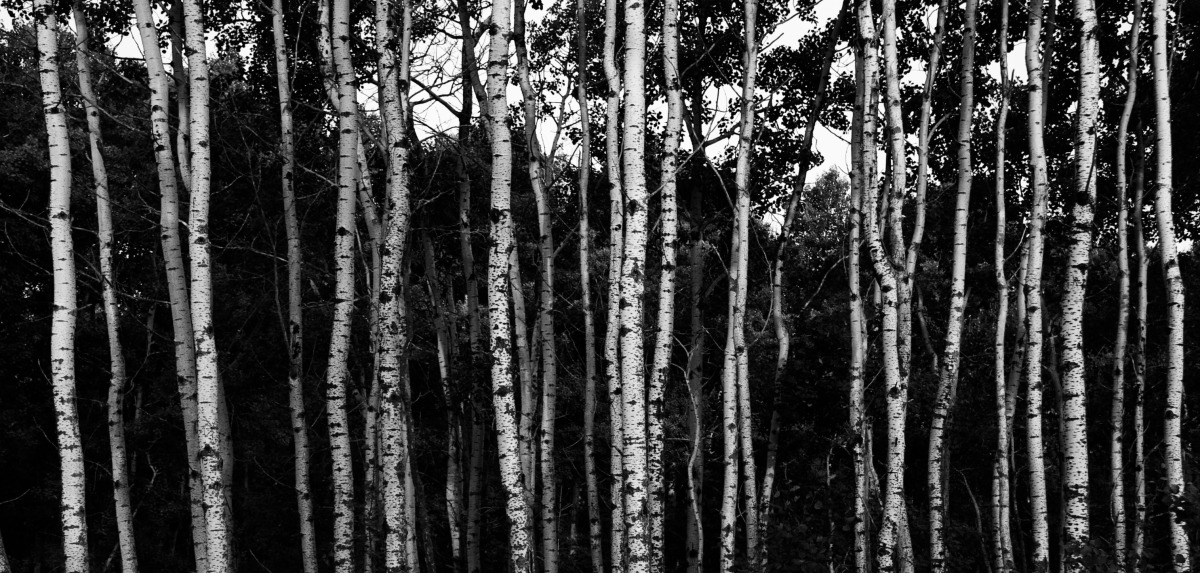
point(1172, 431)
point(939, 456)
point(664, 335)
point(112, 317)
point(62, 322)
point(1117, 417)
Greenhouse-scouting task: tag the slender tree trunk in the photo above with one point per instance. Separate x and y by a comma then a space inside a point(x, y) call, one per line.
point(208, 384)
point(894, 380)
point(172, 248)
point(612, 346)
point(1139, 367)
point(295, 323)
point(117, 381)
point(1117, 417)
point(633, 288)
point(62, 322)
point(857, 324)
point(1033, 293)
point(499, 284)
point(536, 166)
point(1074, 413)
point(394, 418)
point(664, 336)
point(595, 536)
point(337, 377)
point(1002, 558)
point(1172, 432)
point(939, 455)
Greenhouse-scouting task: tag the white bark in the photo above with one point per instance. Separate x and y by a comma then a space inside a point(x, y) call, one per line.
point(295, 320)
point(1074, 413)
point(857, 326)
point(112, 316)
point(633, 289)
point(695, 378)
point(500, 316)
point(338, 372)
point(664, 335)
point(537, 167)
point(1117, 417)
point(172, 248)
point(394, 416)
point(1002, 556)
point(1033, 293)
point(1139, 367)
point(1172, 431)
point(62, 321)
point(616, 198)
point(939, 463)
point(208, 383)
point(896, 387)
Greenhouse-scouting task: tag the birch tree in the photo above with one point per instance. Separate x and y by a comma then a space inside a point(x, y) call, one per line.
point(1137, 536)
point(1074, 384)
point(1117, 417)
point(338, 373)
point(896, 387)
point(1172, 432)
point(62, 320)
point(538, 167)
point(633, 287)
point(294, 331)
point(1002, 555)
point(112, 317)
point(208, 382)
point(664, 335)
point(612, 342)
point(857, 320)
point(172, 249)
point(500, 316)
point(393, 79)
point(1033, 291)
point(939, 463)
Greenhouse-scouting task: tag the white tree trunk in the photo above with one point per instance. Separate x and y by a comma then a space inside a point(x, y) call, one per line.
point(1002, 557)
point(896, 387)
point(1033, 293)
point(112, 316)
point(62, 321)
point(1074, 413)
point(939, 464)
point(338, 374)
point(500, 316)
point(633, 289)
point(1139, 366)
point(537, 167)
point(857, 325)
point(208, 384)
point(612, 343)
point(394, 416)
point(1117, 417)
point(295, 321)
point(664, 335)
point(177, 287)
point(1164, 186)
